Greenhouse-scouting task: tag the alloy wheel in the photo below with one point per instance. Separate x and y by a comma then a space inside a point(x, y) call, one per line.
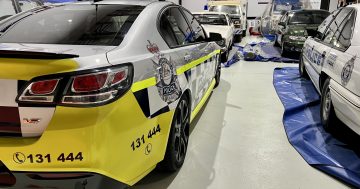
point(181, 130)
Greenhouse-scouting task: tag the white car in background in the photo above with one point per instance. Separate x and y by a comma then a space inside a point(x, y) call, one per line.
point(331, 60)
point(218, 22)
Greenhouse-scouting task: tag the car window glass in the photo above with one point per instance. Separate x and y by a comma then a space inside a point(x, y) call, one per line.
point(330, 32)
point(6, 9)
point(167, 31)
point(199, 33)
point(344, 33)
point(229, 19)
point(27, 5)
point(283, 18)
point(181, 31)
point(324, 25)
point(72, 24)
point(308, 17)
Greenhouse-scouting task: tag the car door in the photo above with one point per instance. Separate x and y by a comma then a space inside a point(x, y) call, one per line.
point(281, 28)
point(341, 55)
point(186, 46)
point(317, 49)
point(205, 71)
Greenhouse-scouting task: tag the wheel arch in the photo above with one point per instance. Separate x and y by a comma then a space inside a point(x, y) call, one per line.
point(322, 78)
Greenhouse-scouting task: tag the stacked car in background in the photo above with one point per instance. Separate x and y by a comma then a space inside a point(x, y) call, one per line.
point(218, 22)
point(295, 26)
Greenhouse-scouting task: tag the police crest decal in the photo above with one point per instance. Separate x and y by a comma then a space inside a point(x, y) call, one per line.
point(347, 71)
point(165, 73)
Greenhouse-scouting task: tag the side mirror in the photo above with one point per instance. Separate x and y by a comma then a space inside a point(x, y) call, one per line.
point(215, 37)
point(314, 33)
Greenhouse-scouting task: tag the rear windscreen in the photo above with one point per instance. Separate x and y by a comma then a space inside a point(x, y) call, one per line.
point(71, 24)
point(308, 17)
point(230, 9)
point(211, 19)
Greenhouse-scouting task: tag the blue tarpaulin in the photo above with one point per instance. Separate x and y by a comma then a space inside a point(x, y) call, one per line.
point(262, 51)
point(336, 153)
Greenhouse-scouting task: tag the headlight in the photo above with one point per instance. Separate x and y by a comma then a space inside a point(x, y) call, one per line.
point(298, 38)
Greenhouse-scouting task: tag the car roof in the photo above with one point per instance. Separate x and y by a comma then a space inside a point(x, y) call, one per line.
point(208, 12)
point(122, 2)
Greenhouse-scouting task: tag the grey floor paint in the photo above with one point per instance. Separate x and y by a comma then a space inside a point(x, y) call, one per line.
point(239, 141)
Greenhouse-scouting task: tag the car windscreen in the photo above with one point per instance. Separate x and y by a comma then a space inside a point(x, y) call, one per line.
point(230, 9)
point(308, 17)
point(211, 19)
point(73, 24)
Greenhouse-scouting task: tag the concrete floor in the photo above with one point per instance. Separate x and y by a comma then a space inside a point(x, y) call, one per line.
point(238, 141)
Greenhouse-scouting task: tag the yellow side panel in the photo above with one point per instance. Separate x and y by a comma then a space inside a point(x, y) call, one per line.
point(104, 135)
point(202, 101)
point(26, 69)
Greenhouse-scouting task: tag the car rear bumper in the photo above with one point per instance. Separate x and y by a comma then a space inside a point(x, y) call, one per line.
point(346, 105)
point(65, 180)
point(105, 136)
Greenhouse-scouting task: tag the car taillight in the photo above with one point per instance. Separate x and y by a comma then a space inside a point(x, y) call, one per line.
point(94, 87)
point(43, 87)
point(88, 83)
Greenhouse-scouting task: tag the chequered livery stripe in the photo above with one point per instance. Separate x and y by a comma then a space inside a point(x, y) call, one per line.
point(140, 85)
point(14, 118)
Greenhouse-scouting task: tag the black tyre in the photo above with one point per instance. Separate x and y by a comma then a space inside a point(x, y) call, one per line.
point(302, 70)
point(327, 112)
point(218, 74)
point(284, 52)
point(237, 38)
point(225, 56)
point(178, 138)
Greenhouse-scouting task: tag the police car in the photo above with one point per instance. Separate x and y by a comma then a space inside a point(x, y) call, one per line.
point(97, 94)
point(331, 59)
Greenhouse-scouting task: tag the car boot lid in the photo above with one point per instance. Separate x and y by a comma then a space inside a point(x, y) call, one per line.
point(49, 51)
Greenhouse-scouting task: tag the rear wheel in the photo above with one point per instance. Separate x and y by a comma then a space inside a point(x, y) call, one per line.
point(302, 70)
point(218, 74)
point(178, 138)
point(327, 112)
point(231, 46)
point(237, 38)
point(225, 56)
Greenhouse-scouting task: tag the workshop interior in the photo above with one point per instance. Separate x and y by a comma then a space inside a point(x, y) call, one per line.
point(173, 94)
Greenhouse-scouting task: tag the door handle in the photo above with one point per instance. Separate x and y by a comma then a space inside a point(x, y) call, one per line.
point(323, 54)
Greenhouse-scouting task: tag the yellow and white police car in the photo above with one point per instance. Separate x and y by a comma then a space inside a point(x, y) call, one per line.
point(331, 59)
point(96, 94)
